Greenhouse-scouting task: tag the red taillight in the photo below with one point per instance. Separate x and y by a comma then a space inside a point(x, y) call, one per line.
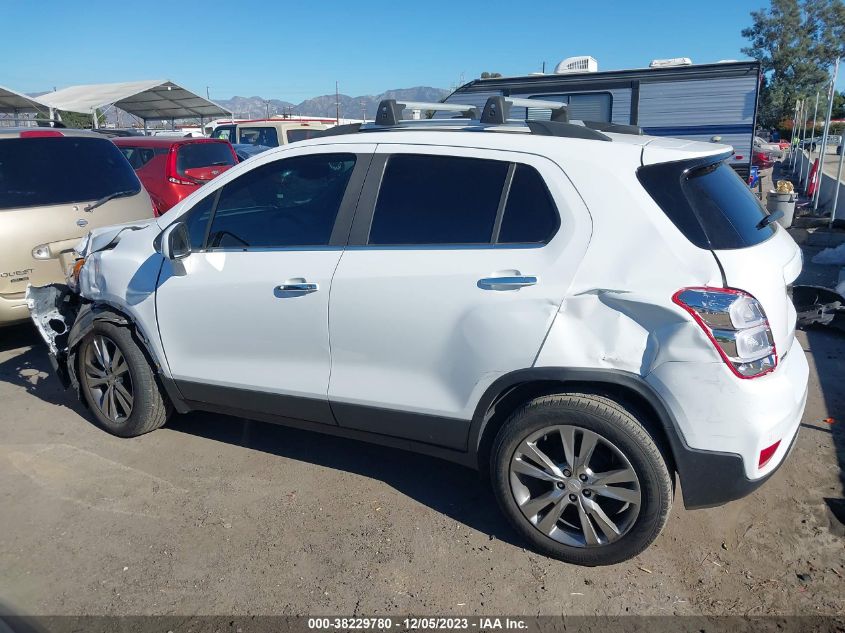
point(736, 324)
point(767, 453)
point(172, 174)
point(40, 133)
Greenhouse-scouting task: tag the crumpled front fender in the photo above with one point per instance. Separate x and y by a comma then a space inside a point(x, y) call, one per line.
point(54, 310)
point(63, 319)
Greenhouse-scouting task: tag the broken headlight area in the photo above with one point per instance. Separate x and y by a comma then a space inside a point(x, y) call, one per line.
point(53, 309)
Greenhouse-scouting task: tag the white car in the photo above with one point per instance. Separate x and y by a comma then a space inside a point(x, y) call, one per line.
point(580, 315)
point(767, 147)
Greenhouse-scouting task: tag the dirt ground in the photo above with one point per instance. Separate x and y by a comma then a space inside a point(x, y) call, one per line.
point(216, 515)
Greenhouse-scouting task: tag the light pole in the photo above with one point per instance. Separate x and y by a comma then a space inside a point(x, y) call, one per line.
point(826, 131)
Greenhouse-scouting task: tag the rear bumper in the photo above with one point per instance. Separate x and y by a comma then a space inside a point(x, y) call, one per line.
point(724, 422)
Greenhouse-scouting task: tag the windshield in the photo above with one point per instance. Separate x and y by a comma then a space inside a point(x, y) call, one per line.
point(193, 155)
point(60, 170)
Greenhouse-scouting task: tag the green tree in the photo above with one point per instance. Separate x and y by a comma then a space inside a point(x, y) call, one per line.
point(838, 105)
point(796, 42)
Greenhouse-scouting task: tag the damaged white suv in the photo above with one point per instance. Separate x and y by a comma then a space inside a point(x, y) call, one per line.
point(581, 315)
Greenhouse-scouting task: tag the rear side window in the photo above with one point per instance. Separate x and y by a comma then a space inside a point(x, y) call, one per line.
point(265, 136)
point(289, 202)
point(60, 170)
point(137, 156)
point(710, 204)
point(437, 200)
point(193, 155)
point(300, 134)
point(530, 213)
point(225, 132)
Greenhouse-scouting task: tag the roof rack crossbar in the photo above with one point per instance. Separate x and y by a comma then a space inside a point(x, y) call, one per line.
point(497, 109)
point(390, 110)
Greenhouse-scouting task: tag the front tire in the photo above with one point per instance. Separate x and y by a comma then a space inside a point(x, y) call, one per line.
point(118, 383)
point(581, 479)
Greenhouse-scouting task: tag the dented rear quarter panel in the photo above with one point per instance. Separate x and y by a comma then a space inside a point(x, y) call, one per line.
point(618, 313)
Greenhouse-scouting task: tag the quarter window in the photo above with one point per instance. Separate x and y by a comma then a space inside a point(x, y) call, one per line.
point(530, 213)
point(289, 202)
point(437, 200)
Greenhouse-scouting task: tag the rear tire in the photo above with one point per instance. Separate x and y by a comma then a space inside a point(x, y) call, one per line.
point(551, 468)
point(118, 383)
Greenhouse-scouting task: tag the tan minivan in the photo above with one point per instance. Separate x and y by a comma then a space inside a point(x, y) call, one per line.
point(268, 132)
point(56, 185)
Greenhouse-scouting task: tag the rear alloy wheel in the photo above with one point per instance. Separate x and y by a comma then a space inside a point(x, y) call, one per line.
point(581, 479)
point(587, 495)
point(118, 383)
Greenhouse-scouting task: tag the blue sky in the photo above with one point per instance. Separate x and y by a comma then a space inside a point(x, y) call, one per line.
point(296, 50)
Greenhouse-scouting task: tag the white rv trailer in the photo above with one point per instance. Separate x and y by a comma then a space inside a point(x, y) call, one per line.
point(701, 102)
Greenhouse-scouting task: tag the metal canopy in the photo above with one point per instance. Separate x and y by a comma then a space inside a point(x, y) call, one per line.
point(154, 99)
point(15, 102)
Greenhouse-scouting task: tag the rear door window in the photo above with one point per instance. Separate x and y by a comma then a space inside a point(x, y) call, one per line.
point(265, 136)
point(437, 200)
point(60, 170)
point(710, 204)
point(193, 155)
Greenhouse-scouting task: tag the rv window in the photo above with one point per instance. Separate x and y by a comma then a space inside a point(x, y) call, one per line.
point(591, 106)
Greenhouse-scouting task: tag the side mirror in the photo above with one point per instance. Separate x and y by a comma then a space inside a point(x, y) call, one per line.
point(176, 241)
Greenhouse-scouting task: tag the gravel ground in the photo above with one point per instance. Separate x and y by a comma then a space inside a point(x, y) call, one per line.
point(217, 515)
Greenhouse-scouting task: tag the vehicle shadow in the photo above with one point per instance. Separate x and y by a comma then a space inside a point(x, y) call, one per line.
point(30, 368)
point(828, 350)
point(448, 488)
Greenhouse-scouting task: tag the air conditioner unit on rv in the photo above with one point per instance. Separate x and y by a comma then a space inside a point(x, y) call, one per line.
point(675, 61)
point(582, 64)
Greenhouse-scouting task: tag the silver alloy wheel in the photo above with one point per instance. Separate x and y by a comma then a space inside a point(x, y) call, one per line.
point(575, 486)
point(108, 379)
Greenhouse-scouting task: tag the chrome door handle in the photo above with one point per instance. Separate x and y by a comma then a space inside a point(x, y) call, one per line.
point(298, 287)
point(506, 283)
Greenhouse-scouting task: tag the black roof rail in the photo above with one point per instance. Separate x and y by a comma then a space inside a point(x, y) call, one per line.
point(389, 111)
point(565, 130)
point(498, 109)
point(619, 128)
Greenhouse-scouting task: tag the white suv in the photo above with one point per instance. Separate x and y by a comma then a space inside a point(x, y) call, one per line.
point(579, 315)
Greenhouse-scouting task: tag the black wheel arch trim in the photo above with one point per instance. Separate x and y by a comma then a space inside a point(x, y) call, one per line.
point(708, 478)
point(89, 314)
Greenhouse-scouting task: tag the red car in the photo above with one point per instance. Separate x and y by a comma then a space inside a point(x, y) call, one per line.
point(171, 168)
point(761, 160)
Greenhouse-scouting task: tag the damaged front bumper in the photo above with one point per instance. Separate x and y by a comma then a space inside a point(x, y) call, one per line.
point(54, 310)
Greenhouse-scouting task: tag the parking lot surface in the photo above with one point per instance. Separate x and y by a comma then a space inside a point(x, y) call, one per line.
point(217, 515)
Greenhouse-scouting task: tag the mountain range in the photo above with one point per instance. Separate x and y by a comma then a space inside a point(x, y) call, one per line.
point(363, 106)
